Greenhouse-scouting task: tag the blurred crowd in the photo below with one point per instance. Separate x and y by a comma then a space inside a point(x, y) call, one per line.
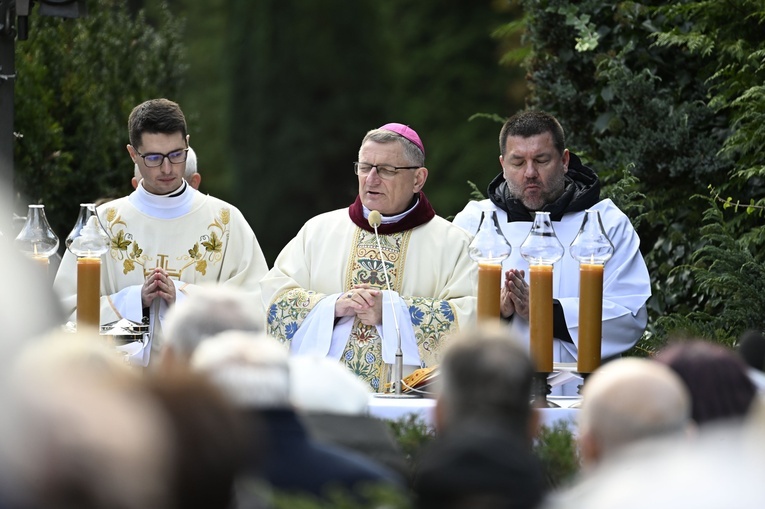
point(226, 419)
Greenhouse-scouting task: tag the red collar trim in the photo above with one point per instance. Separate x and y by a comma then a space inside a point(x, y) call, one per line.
point(421, 214)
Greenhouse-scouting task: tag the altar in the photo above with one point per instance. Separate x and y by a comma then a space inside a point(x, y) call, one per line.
point(395, 409)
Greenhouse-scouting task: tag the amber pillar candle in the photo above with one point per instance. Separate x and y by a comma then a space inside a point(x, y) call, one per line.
point(590, 317)
point(88, 292)
point(489, 286)
point(541, 316)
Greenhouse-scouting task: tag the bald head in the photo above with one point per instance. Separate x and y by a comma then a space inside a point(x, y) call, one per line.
point(628, 400)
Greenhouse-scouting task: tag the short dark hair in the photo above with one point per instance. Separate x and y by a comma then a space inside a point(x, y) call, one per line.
point(531, 123)
point(156, 116)
point(487, 375)
point(716, 377)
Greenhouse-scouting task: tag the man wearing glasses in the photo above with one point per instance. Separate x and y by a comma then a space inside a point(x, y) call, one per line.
point(326, 294)
point(190, 175)
point(166, 239)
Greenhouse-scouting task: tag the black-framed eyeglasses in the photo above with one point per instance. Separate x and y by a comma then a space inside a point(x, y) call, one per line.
point(156, 159)
point(385, 171)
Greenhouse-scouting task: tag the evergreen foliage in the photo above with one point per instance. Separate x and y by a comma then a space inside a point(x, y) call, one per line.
point(376, 497)
point(729, 267)
point(558, 451)
point(672, 92)
point(310, 78)
point(555, 447)
point(411, 434)
point(78, 80)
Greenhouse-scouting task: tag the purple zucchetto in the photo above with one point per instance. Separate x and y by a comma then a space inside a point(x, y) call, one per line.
point(407, 132)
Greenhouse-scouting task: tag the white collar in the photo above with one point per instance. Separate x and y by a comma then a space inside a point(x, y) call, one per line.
point(166, 206)
point(391, 219)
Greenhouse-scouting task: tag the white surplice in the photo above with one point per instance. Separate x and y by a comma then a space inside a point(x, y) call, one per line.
point(626, 283)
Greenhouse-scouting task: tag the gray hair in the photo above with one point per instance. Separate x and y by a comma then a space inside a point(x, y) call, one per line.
point(251, 369)
point(191, 163)
point(208, 312)
point(412, 152)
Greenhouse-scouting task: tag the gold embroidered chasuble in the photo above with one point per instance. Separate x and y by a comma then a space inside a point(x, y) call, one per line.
point(428, 267)
point(211, 244)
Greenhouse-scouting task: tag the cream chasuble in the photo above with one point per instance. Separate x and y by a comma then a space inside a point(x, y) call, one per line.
point(431, 275)
point(196, 238)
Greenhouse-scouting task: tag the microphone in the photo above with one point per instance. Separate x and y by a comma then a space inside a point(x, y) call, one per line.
point(375, 220)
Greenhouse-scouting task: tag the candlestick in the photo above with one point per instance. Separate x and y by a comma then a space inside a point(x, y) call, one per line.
point(489, 287)
point(541, 249)
point(541, 316)
point(592, 248)
point(489, 247)
point(590, 317)
point(88, 241)
point(88, 292)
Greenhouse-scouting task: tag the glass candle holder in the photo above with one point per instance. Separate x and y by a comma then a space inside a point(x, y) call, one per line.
point(541, 250)
point(88, 241)
point(489, 248)
point(36, 238)
point(592, 249)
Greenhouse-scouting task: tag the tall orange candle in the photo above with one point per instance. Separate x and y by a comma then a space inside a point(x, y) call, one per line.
point(590, 317)
point(541, 316)
point(88, 292)
point(489, 286)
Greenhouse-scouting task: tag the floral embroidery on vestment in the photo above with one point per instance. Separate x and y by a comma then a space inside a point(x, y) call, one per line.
point(125, 248)
point(431, 318)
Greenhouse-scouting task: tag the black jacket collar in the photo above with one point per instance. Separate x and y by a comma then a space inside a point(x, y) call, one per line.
point(582, 191)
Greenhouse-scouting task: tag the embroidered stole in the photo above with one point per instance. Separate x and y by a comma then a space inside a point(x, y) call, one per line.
point(363, 353)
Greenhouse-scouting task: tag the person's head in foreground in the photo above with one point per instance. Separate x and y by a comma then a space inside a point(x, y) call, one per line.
point(627, 401)
point(79, 430)
point(482, 455)
point(203, 314)
point(716, 378)
point(486, 375)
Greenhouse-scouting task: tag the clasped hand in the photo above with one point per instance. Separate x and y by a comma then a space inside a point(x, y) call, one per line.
point(362, 301)
point(158, 284)
point(515, 295)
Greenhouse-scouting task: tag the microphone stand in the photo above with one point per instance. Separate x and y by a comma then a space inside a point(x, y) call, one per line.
point(398, 367)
